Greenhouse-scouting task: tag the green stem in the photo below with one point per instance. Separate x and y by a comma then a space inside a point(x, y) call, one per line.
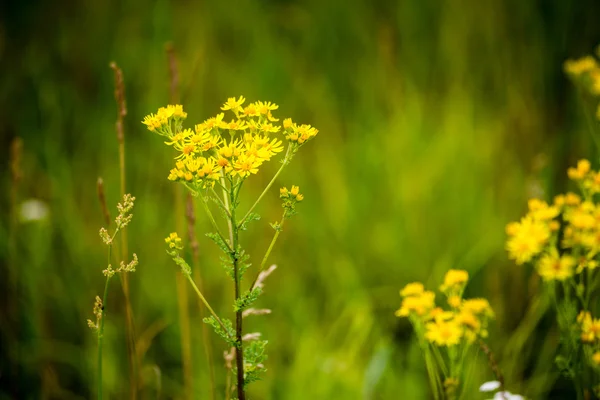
point(264, 260)
point(101, 336)
point(230, 212)
point(285, 162)
point(588, 289)
point(239, 351)
point(432, 371)
point(212, 220)
point(221, 202)
point(239, 189)
point(203, 299)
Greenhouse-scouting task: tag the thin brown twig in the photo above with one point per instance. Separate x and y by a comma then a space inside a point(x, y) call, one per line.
point(492, 363)
point(16, 154)
point(131, 341)
point(191, 80)
point(102, 198)
point(173, 73)
point(182, 293)
point(229, 357)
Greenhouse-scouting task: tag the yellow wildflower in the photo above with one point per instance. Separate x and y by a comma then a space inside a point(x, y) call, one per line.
point(582, 217)
point(454, 279)
point(269, 128)
point(273, 147)
point(527, 240)
point(246, 165)
point(580, 66)
point(154, 122)
point(454, 301)
point(469, 320)
point(571, 199)
point(176, 111)
point(264, 108)
point(553, 267)
point(443, 333)
point(209, 170)
point(238, 125)
point(251, 111)
point(592, 182)
point(213, 142)
point(583, 167)
point(411, 289)
point(174, 241)
point(193, 164)
point(512, 228)
point(420, 305)
point(586, 263)
point(233, 104)
point(439, 314)
point(213, 122)
point(590, 327)
point(596, 358)
point(540, 210)
point(478, 307)
point(173, 175)
point(584, 317)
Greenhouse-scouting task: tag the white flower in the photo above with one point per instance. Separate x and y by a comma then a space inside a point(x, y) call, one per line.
point(503, 395)
point(507, 396)
point(33, 210)
point(489, 386)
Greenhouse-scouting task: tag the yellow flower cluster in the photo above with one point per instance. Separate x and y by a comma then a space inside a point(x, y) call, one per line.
point(585, 71)
point(159, 121)
point(558, 254)
point(219, 147)
point(466, 320)
point(174, 241)
point(293, 193)
point(590, 335)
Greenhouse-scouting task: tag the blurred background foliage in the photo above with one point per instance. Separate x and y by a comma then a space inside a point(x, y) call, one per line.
point(437, 121)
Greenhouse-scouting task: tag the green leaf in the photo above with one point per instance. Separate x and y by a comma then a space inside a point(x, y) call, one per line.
point(242, 260)
point(227, 265)
point(228, 335)
point(251, 217)
point(219, 241)
point(219, 204)
point(564, 366)
point(246, 300)
point(185, 268)
point(254, 358)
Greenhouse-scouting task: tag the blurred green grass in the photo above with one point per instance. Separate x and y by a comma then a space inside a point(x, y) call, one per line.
point(437, 121)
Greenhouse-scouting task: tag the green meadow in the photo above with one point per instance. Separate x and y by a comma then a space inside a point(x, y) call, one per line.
point(437, 122)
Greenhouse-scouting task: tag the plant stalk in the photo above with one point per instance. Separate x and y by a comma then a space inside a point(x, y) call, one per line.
point(239, 351)
point(214, 222)
point(121, 113)
point(204, 301)
point(101, 337)
point(182, 303)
